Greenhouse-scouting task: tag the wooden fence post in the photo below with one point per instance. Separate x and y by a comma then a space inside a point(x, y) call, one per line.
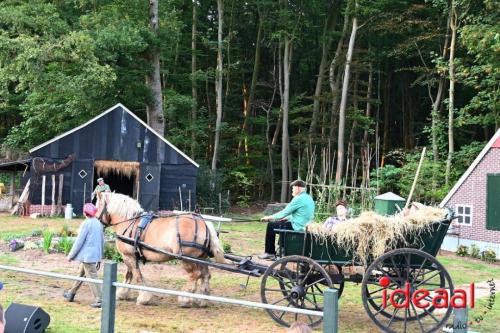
point(331, 311)
point(108, 298)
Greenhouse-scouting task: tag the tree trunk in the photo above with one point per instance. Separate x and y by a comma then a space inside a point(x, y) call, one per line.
point(365, 146)
point(439, 95)
point(330, 24)
point(218, 83)
point(343, 104)
point(155, 115)
point(194, 90)
point(249, 104)
point(335, 79)
point(286, 100)
point(387, 106)
point(451, 98)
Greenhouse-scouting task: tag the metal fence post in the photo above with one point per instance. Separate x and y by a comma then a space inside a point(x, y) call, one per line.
point(331, 310)
point(460, 320)
point(108, 298)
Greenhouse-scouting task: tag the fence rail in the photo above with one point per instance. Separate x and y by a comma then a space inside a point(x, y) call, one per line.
point(330, 313)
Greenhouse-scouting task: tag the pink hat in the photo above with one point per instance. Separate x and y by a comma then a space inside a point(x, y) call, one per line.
point(89, 210)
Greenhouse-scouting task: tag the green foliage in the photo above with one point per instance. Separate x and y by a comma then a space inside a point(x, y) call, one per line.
point(65, 244)
point(66, 231)
point(462, 251)
point(474, 251)
point(63, 62)
point(388, 178)
point(47, 240)
point(489, 255)
point(36, 233)
point(226, 247)
point(14, 235)
point(209, 185)
point(111, 253)
point(242, 185)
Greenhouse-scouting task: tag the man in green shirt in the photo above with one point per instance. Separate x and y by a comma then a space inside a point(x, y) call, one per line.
point(296, 216)
point(101, 187)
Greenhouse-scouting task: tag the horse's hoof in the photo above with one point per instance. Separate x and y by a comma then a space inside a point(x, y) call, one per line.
point(144, 298)
point(184, 302)
point(201, 303)
point(123, 295)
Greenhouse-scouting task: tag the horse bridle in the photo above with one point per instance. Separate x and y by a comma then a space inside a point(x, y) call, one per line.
point(105, 211)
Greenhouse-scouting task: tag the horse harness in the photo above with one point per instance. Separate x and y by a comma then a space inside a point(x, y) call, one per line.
point(146, 219)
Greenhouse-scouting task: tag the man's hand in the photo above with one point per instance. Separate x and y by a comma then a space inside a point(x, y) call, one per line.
point(266, 218)
point(69, 259)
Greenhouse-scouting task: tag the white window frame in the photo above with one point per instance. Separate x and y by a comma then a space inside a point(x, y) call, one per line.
point(463, 215)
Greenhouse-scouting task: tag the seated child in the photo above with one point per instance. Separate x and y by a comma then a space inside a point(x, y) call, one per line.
point(341, 210)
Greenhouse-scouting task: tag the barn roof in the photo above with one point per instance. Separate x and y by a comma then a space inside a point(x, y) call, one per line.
point(105, 113)
point(493, 143)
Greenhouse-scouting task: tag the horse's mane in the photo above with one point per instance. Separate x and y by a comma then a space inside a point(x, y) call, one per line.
point(122, 205)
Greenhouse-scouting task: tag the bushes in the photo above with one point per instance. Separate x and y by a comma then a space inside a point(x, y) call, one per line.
point(474, 251)
point(488, 255)
point(64, 245)
point(47, 240)
point(111, 253)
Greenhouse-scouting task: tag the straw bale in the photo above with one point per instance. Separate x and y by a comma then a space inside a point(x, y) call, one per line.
point(372, 234)
point(127, 169)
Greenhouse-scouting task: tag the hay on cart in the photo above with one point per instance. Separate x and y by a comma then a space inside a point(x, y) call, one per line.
point(371, 234)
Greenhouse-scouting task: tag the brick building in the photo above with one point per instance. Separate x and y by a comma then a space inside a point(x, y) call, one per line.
point(475, 198)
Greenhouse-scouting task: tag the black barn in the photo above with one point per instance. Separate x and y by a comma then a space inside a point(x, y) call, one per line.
point(130, 155)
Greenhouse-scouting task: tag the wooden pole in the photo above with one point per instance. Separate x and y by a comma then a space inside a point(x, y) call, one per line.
point(43, 195)
point(12, 187)
point(53, 208)
point(59, 196)
point(416, 177)
point(22, 198)
point(180, 197)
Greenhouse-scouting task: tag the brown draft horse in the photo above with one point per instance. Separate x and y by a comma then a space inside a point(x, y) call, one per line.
point(115, 208)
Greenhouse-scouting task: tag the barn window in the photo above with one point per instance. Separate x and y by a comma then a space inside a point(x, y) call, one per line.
point(82, 174)
point(464, 214)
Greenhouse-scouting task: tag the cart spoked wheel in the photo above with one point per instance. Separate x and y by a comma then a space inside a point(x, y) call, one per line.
point(408, 270)
point(298, 282)
point(335, 272)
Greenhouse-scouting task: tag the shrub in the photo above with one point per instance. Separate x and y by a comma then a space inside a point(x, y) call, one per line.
point(47, 240)
point(65, 245)
point(489, 255)
point(226, 247)
point(36, 233)
point(66, 231)
point(474, 251)
point(111, 253)
point(462, 251)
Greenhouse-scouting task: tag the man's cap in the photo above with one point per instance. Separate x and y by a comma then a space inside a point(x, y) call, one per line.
point(299, 183)
point(341, 203)
point(99, 179)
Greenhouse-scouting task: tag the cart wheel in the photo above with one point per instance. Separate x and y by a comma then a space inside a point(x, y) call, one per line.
point(298, 282)
point(394, 270)
point(335, 273)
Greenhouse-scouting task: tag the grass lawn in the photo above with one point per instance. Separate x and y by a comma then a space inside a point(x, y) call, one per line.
point(165, 315)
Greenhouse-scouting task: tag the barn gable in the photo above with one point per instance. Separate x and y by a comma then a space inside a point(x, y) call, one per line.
point(474, 198)
point(493, 143)
point(162, 176)
point(115, 127)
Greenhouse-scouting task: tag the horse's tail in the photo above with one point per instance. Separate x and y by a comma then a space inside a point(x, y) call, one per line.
point(215, 245)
